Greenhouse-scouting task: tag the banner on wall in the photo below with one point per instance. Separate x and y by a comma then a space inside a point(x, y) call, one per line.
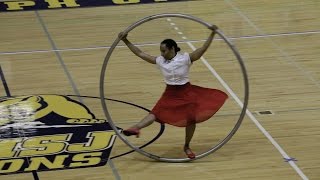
point(25, 5)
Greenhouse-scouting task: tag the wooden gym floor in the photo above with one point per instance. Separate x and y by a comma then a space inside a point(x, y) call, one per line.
point(61, 52)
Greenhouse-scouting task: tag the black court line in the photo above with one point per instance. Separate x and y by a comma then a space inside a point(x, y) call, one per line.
point(8, 94)
point(4, 83)
point(69, 77)
point(162, 126)
point(58, 55)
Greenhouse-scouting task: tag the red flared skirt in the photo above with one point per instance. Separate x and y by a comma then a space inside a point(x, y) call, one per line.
point(182, 105)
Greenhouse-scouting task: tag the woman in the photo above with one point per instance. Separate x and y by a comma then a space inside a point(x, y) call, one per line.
point(181, 104)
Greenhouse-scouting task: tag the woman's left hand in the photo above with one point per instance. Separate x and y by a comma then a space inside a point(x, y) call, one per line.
point(122, 35)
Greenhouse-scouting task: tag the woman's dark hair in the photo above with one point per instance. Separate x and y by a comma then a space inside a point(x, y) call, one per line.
point(170, 43)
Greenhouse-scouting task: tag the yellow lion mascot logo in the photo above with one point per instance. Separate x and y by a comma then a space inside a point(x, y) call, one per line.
point(43, 108)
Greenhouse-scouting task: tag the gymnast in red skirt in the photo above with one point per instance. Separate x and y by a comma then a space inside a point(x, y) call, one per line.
point(181, 104)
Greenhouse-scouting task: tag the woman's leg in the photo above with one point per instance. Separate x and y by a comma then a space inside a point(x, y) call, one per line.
point(135, 129)
point(146, 121)
point(189, 134)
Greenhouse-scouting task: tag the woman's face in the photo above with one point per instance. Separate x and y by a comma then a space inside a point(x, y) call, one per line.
point(167, 53)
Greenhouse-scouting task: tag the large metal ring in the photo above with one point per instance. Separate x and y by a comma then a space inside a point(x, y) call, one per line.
point(234, 50)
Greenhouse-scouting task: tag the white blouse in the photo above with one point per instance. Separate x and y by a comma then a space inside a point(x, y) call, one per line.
point(175, 71)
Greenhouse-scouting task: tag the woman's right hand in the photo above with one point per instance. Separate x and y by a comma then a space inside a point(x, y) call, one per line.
point(213, 27)
point(122, 35)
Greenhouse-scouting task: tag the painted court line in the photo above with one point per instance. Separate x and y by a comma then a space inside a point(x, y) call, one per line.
point(156, 44)
point(250, 115)
point(286, 56)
